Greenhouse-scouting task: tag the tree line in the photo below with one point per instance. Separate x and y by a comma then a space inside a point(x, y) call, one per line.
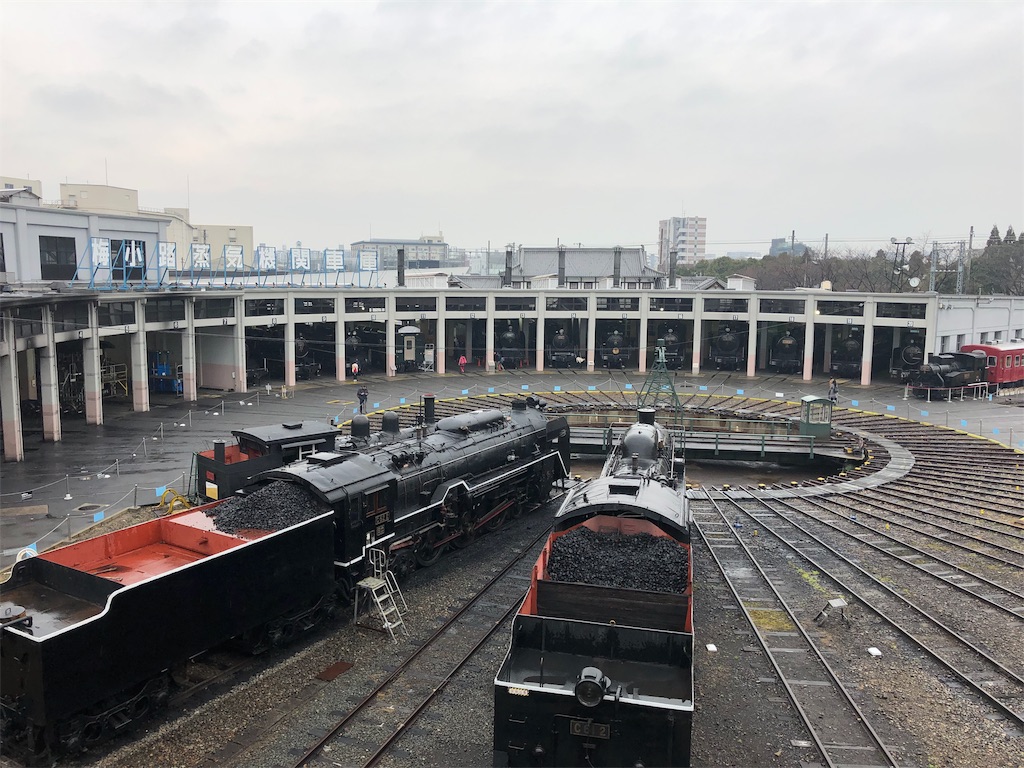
point(998, 268)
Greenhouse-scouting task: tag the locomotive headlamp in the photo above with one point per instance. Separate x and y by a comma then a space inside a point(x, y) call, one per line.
point(591, 686)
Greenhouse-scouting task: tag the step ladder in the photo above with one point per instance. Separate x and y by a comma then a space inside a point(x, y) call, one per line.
point(384, 591)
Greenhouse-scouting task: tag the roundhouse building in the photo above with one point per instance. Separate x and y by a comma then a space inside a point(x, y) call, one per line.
point(74, 338)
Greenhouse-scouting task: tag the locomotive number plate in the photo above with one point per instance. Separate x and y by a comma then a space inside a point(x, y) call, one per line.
point(589, 729)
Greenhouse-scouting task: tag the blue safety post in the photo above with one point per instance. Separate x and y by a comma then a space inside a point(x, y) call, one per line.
point(854, 403)
point(995, 430)
point(890, 407)
point(629, 386)
point(376, 406)
point(558, 389)
point(525, 387)
point(963, 422)
point(465, 391)
point(401, 401)
point(591, 389)
point(739, 391)
point(703, 388)
point(924, 413)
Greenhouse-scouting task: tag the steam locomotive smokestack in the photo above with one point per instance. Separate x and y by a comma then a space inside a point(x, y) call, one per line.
point(401, 267)
point(428, 409)
point(617, 268)
point(561, 266)
point(218, 451)
point(673, 261)
point(646, 415)
point(507, 280)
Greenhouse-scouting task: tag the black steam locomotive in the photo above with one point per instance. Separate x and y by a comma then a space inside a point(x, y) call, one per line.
point(613, 351)
point(510, 348)
point(92, 632)
point(948, 370)
point(673, 350)
point(265, 356)
point(906, 359)
point(787, 354)
point(728, 350)
point(600, 667)
point(846, 358)
point(561, 352)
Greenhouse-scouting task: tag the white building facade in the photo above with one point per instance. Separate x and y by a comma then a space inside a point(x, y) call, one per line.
point(687, 236)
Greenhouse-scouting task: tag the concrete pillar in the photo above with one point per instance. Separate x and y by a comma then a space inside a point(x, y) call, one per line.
point(10, 403)
point(752, 337)
point(92, 370)
point(869, 341)
point(591, 331)
point(289, 350)
point(809, 313)
point(441, 335)
point(140, 365)
point(539, 346)
point(238, 341)
point(339, 343)
point(189, 379)
point(698, 334)
point(49, 390)
point(762, 349)
point(390, 331)
point(467, 348)
point(827, 367)
point(644, 342)
point(489, 350)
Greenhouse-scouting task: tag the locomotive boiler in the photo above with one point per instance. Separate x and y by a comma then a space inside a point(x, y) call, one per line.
point(787, 354)
point(92, 632)
point(613, 350)
point(906, 359)
point(948, 370)
point(728, 351)
point(510, 348)
point(599, 671)
point(561, 352)
point(846, 358)
point(673, 350)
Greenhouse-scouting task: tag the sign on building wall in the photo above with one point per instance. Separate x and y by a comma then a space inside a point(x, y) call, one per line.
point(234, 257)
point(200, 256)
point(100, 248)
point(299, 259)
point(266, 258)
point(368, 261)
point(334, 260)
point(166, 255)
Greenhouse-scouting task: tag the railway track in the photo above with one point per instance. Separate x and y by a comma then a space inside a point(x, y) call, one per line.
point(836, 723)
point(366, 732)
point(975, 637)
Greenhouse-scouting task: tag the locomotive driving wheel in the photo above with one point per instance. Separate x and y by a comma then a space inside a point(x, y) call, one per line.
point(428, 550)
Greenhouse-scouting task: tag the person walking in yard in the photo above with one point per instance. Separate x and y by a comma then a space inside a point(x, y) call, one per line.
point(833, 391)
point(462, 363)
point(355, 371)
point(362, 393)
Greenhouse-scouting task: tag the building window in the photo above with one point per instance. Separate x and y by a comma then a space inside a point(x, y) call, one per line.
point(73, 316)
point(57, 258)
point(28, 321)
point(370, 304)
point(566, 304)
point(725, 305)
point(214, 308)
point(117, 313)
point(909, 311)
point(314, 306)
point(782, 306)
point(515, 304)
point(999, 336)
point(961, 339)
point(984, 337)
point(944, 344)
point(165, 310)
point(416, 304)
point(466, 304)
point(671, 305)
point(841, 308)
point(261, 307)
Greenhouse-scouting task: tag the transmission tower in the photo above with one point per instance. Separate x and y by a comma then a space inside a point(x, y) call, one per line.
point(659, 389)
point(947, 258)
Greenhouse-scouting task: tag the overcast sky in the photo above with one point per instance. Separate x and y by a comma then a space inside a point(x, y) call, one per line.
point(529, 122)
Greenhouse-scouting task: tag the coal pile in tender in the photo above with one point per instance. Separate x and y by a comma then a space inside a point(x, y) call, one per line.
point(640, 561)
point(273, 507)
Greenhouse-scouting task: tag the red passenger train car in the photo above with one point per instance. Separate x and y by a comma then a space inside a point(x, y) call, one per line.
point(1004, 364)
